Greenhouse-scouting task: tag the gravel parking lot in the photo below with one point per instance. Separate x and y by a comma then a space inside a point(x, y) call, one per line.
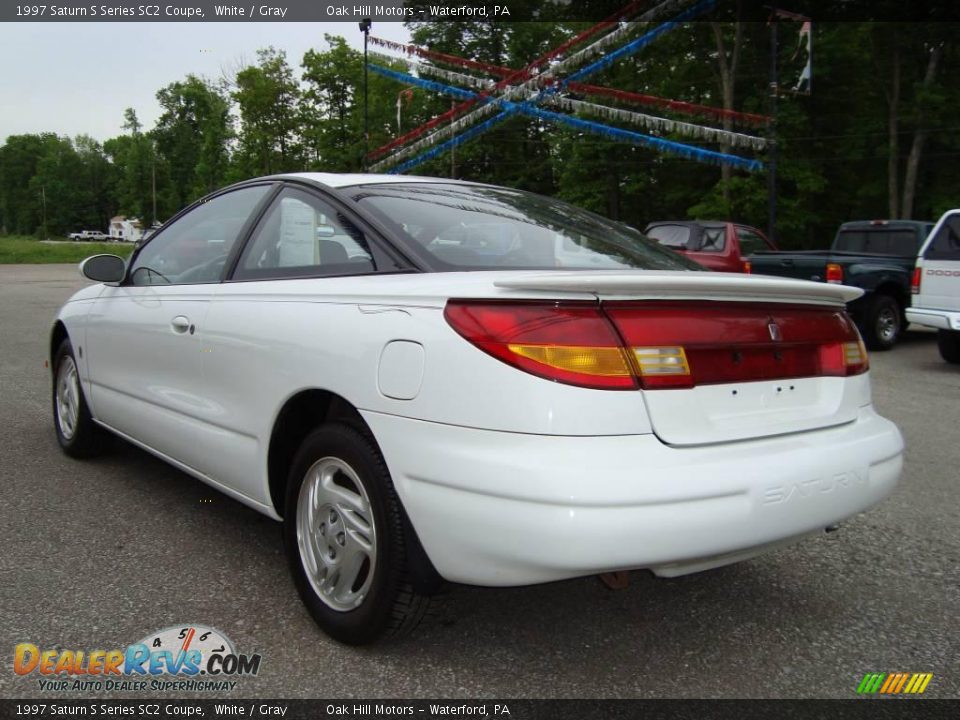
point(97, 554)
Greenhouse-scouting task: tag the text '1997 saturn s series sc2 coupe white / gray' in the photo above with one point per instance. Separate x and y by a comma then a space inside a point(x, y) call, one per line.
point(431, 380)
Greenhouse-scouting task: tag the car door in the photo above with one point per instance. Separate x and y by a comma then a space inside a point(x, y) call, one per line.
point(144, 337)
point(275, 321)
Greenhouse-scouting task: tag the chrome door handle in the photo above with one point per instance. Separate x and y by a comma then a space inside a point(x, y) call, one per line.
point(180, 324)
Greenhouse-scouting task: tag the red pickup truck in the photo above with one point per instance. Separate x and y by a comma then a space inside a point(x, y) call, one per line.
point(718, 245)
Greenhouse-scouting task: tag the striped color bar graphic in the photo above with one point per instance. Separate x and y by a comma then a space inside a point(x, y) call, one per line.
point(894, 683)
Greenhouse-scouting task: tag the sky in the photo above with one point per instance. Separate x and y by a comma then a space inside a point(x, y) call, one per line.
point(77, 78)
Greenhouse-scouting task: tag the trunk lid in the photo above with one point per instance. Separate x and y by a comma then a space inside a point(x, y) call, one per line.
point(762, 352)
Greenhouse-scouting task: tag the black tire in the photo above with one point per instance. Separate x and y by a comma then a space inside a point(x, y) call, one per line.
point(79, 436)
point(389, 606)
point(948, 341)
point(882, 322)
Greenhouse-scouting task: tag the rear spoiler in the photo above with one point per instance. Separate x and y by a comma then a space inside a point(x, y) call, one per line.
point(683, 285)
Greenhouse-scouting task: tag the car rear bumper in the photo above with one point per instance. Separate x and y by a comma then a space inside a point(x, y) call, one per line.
point(941, 319)
point(494, 508)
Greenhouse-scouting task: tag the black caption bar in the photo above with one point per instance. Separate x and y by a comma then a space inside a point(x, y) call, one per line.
point(259, 11)
point(445, 10)
point(860, 709)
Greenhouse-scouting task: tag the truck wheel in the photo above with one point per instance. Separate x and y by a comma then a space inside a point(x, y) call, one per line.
point(882, 322)
point(949, 343)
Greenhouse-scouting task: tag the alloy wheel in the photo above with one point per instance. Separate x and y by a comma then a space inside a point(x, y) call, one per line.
point(336, 534)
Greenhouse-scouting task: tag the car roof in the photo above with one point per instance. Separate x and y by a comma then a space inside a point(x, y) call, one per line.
point(888, 224)
point(690, 223)
point(339, 180)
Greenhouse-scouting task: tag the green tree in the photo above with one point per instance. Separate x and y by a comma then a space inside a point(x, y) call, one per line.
point(267, 95)
point(20, 204)
point(332, 120)
point(192, 136)
point(135, 159)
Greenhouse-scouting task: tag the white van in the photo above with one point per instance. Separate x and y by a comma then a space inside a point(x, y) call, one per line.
point(936, 285)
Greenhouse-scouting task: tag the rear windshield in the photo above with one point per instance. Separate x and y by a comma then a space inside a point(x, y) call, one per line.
point(472, 227)
point(882, 242)
point(672, 236)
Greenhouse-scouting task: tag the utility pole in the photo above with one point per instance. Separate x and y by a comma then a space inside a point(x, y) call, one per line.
point(453, 148)
point(43, 204)
point(365, 26)
point(772, 133)
point(153, 184)
point(775, 15)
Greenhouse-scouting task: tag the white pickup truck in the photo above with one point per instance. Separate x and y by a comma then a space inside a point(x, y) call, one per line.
point(88, 235)
point(936, 285)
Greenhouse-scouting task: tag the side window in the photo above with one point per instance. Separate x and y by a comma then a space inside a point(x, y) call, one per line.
point(194, 249)
point(750, 242)
point(946, 244)
point(302, 236)
point(714, 239)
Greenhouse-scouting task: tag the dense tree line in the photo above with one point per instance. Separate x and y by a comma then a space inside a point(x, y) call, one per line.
point(875, 138)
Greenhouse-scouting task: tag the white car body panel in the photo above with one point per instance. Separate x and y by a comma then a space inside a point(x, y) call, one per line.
point(507, 478)
point(488, 512)
point(937, 305)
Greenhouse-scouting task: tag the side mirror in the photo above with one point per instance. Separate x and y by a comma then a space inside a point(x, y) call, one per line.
point(103, 268)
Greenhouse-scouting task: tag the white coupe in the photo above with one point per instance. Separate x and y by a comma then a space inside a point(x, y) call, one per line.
point(431, 381)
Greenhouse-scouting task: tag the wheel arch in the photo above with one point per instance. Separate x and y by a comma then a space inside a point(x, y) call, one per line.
point(894, 290)
point(57, 335)
point(302, 413)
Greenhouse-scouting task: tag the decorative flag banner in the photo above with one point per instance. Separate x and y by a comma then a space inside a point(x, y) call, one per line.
point(662, 125)
point(527, 108)
point(438, 150)
point(804, 45)
point(482, 84)
point(666, 146)
point(524, 88)
point(453, 112)
point(525, 72)
point(454, 128)
point(448, 75)
point(680, 106)
point(631, 48)
point(648, 122)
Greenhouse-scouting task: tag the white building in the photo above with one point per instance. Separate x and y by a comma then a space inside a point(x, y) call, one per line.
point(125, 229)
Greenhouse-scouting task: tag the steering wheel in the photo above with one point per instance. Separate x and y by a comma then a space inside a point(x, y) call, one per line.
point(205, 272)
point(151, 272)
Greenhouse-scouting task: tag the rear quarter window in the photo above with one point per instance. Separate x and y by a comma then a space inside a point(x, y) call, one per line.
point(676, 237)
point(946, 243)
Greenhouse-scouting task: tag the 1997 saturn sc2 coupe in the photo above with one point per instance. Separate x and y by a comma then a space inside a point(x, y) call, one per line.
point(431, 380)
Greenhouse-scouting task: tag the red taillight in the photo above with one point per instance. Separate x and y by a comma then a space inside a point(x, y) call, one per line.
point(747, 266)
point(742, 342)
point(834, 274)
point(573, 343)
point(662, 344)
point(915, 281)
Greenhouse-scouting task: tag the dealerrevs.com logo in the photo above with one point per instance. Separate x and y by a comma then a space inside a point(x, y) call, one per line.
point(186, 658)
